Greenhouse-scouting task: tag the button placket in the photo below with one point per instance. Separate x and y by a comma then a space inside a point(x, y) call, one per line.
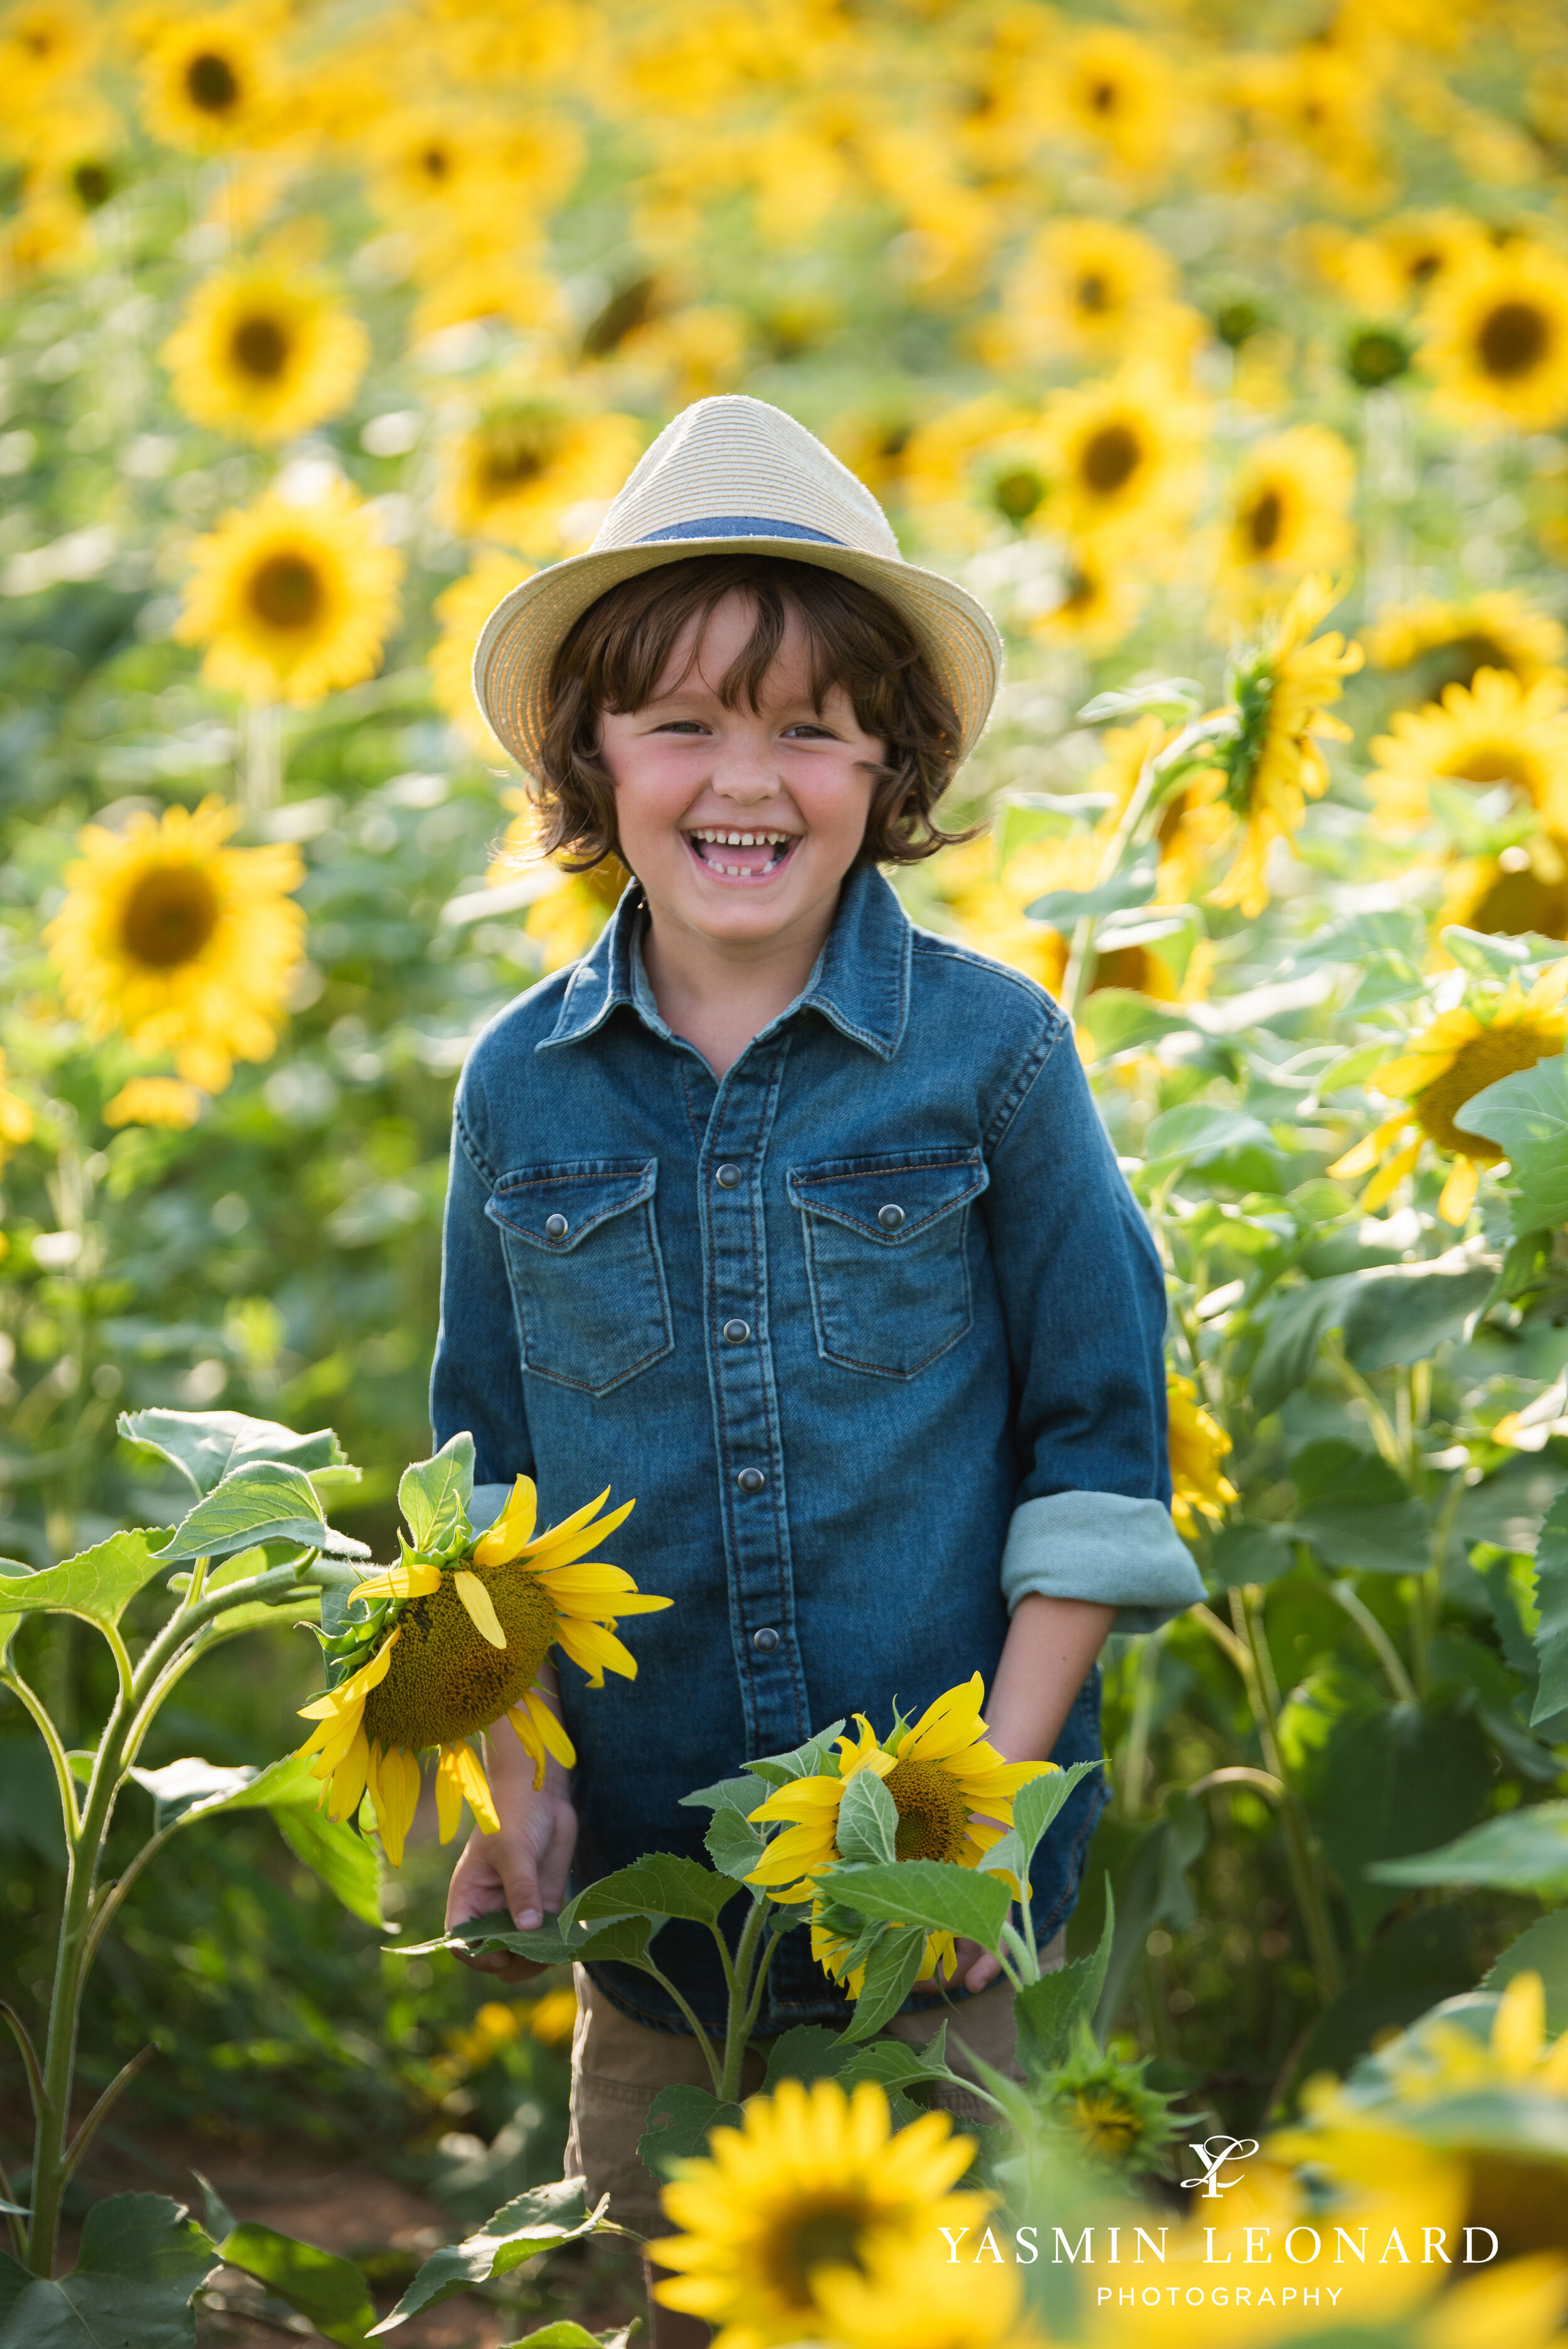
point(746, 1419)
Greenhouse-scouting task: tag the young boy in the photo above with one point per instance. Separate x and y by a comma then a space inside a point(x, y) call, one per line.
point(792, 1220)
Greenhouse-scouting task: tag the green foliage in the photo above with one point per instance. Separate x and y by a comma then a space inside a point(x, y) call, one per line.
point(142, 2259)
point(1523, 1851)
point(539, 2220)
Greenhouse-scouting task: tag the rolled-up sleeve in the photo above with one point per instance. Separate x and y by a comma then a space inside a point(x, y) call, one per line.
point(476, 1381)
point(1083, 1298)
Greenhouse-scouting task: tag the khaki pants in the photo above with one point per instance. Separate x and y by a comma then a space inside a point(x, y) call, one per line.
point(618, 2066)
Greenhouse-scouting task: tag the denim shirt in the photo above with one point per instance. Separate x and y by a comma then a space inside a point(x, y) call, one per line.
point(872, 1328)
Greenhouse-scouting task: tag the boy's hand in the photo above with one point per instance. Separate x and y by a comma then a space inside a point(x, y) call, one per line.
point(522, 1866)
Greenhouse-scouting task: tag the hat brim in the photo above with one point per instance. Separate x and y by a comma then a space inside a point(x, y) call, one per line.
point(518, 642)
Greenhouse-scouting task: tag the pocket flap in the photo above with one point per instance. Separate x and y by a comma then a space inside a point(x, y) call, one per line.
point(923, 1185)
point(576, 1195)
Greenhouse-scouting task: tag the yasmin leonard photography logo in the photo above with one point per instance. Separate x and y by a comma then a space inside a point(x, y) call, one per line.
point(1213, 2153)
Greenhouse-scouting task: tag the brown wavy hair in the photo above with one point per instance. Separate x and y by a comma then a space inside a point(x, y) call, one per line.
point(615, 653)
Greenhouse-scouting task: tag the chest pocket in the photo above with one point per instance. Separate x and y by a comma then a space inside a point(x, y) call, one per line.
point(583, 1258)
point(886, 1257)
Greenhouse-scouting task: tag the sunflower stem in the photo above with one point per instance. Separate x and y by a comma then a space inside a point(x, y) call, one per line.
point(710, 2057)
point(737, 2036)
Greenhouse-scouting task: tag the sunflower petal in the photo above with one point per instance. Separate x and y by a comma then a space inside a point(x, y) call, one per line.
point(512, 1531)
point(347, 1783)
point(552, 1728)
point(414, 1579)
point(356, 1688)
point(595, 1648)
point(531, 1743)
point(565, 1543)
point(394, 1792)
point(1459, 1192)
point(482, 1611)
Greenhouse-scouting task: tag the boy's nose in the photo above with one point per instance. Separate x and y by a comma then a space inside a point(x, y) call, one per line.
point(743, 776)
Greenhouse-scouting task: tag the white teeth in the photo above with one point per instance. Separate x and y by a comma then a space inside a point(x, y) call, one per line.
point(743, 838)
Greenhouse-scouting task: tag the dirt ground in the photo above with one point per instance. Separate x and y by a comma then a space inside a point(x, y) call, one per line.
point(352, 2206)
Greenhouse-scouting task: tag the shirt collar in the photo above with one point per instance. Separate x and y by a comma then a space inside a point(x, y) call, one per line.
point(861, 982)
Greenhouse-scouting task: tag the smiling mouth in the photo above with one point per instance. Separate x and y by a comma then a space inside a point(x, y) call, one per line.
point(742, 855)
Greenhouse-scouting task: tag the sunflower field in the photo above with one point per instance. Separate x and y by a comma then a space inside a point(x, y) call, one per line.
point(1222, 351)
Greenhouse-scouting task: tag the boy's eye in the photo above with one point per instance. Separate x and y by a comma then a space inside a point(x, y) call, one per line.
point(812, 733)
point(681, 726)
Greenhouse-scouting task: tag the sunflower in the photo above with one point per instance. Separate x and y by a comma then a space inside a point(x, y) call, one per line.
point(517, 473)
point(184, 943)
point(1115, 90)
point(1521, 890)
point(1098, 599)
point(265, 352)
point(945, 465)
point(1456, 1056)
point(915, 2296)
point(458, 285)
point(462, 609)
point(1273, 766)
point(210, 81)
point(43, 43)
point(1287, 511)
point(1497, 629)
point(1198, 1444)
point(1120, 453)
point(1497, 339)
point(812, 2183)
point(1406, 259)
point(16, 1117)
point(458, 1644)
point(1494, 731)
point(1086, 285)
point(939, 1771)
point(292, 601)
point(166, 1101)
point(1105, 2109)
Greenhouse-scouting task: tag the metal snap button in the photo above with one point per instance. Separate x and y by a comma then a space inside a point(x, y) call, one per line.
point(556, 1227)
point(765, 1640)
point(738, 1332)
point(751, 1480)
point(890, 1218)
point(728, 1177)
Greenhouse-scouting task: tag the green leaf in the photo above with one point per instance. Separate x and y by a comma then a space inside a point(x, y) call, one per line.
point(661, 1884)
point(1551, 1598)
point(1356, 1510)
point(1392, 1782)
point(1410, 1965)
point(896, 2064)
point(142, 2259)
point(1400, 1315)
point(1199, 1130)
point(205, 1445)
point(725, 1795)
point(565, 2334)
point(1121, 1021)
point(868, 1820)
point(540, 2219)
point(935, 1893)
point(679, 2121)
point(891, 1971)
point(99, 1584)
point(554, 1943)
point(733, 1844)
point(815, 1759)
point(1524, 1851)
point(1542, 1949)
point(1035, 1806)
point(1243, 1553)
point(1173, 697)
point(268, 1500)
point(434, 1496)
point(1049, 2011)
point(1523, 1110)
point(1483, 955)
point(1063, 909)
point(192, 1789)
point(1540, 1183)
point(807, 2052)
point(1358, 937)
point(330, 2291)
point(1300, 1321)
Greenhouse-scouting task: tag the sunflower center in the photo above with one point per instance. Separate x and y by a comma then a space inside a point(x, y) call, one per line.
point(1462, 656)
point(435, 164)
point(517, 451)
point(1488, 762)
point(1107, 2121)
point(169, 916)
point(92, 185)
point(287, 591)
point(1079, 589)
point(259, 347)
point(1512, 340)
point(1110, 458)
point(822, 2234)
point(1520, 901)
point(1018, 492)
point(1421, 267)
point(1479, 1061)
point(1261, 520)
point(1130, 966)
point(933, 1811)
point(445, 1679)
point(1102, 98)
point(1093, 293)
point(211, 84)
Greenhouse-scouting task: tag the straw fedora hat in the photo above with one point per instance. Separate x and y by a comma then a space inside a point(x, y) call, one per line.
point(731, 476)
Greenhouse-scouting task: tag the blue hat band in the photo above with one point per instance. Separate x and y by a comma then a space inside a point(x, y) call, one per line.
point(738, 526)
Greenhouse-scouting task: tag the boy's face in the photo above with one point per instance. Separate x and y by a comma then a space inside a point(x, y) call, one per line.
point(740, 823)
